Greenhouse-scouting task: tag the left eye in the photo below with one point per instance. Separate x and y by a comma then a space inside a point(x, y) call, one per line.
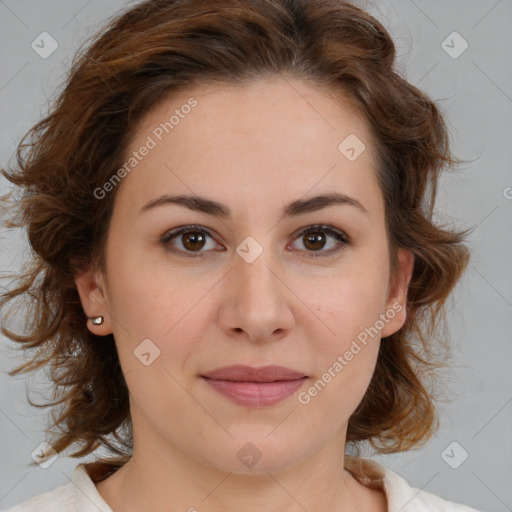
point(314, 239)
point(193, 240)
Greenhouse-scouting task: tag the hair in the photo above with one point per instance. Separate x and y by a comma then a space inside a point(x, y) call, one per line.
point(134, 62)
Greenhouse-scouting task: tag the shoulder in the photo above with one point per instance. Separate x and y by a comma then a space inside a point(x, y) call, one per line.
point(57, 500)
point(409, 499)
point(400, 495)
point(79, 494)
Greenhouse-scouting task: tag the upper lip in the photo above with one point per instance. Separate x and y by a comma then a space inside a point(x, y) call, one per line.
point(242, 373)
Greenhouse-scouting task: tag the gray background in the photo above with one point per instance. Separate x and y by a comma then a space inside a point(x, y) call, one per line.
point(475, 92)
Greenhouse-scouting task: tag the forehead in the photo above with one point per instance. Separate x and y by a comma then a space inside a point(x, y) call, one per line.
point(268, 136)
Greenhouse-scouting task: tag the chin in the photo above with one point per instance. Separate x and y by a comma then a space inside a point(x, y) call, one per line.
point(253, 451)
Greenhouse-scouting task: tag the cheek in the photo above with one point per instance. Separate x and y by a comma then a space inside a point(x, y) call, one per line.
point(349, 301)
point(167, 307)
point(346, 353)
point(347, 344)
point(146, 298)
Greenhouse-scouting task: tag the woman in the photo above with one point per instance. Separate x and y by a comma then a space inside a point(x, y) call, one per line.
point(236, 274)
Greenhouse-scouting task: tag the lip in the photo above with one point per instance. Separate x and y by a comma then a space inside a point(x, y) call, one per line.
point(255, 387)
point(243, 373)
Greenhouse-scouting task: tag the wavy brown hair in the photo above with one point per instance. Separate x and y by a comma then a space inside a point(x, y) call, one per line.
point(134, 62)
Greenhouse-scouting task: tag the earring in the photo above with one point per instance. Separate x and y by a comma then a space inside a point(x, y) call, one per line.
point(96, 320)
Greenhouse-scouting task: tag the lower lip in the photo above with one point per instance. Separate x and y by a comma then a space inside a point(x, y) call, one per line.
point(256, 394)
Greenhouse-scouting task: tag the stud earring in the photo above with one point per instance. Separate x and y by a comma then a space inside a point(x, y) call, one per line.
point(96, 320)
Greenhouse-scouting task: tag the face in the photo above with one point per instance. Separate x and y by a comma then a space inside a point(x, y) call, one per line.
point(267, 275)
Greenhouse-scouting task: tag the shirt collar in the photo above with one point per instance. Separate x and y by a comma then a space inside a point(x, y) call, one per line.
point(85, 495)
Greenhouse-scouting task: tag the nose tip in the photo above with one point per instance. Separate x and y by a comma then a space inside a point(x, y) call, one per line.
point(257, 302)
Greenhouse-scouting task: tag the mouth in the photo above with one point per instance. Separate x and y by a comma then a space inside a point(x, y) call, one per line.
point(255, 387)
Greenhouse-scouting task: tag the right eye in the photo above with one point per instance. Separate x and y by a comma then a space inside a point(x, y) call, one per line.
point(192, 239)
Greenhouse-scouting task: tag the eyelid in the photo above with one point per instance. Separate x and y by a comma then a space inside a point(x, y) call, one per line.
point(173, 233)
point(327, 229)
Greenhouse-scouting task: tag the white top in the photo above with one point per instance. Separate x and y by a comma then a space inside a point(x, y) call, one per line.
point(81, 494)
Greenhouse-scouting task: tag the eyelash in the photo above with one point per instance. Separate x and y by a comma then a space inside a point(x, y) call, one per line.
point(340, 236)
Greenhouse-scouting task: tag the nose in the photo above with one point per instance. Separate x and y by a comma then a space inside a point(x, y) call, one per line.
point(258, 304)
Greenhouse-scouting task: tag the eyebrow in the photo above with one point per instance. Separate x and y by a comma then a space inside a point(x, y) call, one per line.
point(210, 207)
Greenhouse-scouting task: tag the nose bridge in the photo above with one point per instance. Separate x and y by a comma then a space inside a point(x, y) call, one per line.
point(258, 302)
point(256, 268)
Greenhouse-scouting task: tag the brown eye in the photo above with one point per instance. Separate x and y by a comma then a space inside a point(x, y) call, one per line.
point(315, 241)
point(316, 238)
point(193, 241)
point(187, 240)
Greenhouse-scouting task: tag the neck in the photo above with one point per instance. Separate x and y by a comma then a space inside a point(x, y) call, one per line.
point(171, 480)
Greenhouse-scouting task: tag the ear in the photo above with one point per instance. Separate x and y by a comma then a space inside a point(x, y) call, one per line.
point(396, 304)
point(91, 288)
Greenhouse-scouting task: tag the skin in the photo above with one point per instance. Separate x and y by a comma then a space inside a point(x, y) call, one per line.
point(253, 147)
